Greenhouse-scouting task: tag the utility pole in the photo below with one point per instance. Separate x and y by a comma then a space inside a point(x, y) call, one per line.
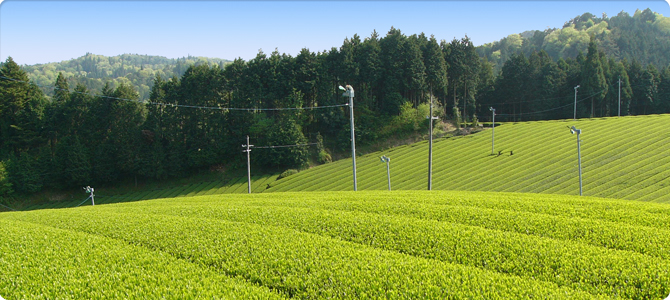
point(619, 96)
point(349, 92)
point(248, 151)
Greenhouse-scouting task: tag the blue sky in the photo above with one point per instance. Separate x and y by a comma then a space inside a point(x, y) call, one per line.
point(50, 31)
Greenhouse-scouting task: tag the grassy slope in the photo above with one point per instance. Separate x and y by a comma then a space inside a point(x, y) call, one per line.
point(624, 158)
point(400, 244)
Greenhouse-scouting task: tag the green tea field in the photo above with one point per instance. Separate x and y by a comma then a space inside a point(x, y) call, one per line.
point(626, 158)
point(342, 245)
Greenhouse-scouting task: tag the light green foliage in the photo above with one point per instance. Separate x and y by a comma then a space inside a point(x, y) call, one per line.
point(621, 157)
point(339, 248)
point(662, 23)
point(566, 42)
point(324, 157)
point(344, 245)
point(515, 41)
point(598, 29)
point(43, 262)
point(410, 118)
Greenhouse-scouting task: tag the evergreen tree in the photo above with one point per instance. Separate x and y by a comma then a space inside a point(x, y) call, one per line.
point(19, 102)
point(73, 162)
point(618, 72)
point(436, 68)
point(593, 83)
point(662, 104)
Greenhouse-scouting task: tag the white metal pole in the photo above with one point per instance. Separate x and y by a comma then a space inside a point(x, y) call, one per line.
point(350, 90)
point(388, 171)
point(579, 157)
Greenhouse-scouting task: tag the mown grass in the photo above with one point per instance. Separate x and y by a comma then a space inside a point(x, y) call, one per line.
point(342, 245)
point(627, 158)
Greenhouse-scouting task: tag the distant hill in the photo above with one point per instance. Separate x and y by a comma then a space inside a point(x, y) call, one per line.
point(644, 37)
point(94, 70)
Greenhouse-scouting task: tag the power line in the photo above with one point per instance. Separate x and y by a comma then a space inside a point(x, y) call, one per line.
point(284, 146)
point(8, 207)
point(555, 108)
point(186, 106)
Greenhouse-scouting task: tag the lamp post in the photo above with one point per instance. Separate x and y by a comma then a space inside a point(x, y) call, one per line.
point(349, 92)
point(574, 130)
point(387, 160)
point(493, 129)
point(575, 116)
point(90, 190)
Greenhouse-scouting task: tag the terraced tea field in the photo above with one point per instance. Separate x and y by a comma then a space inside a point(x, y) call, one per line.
point(627, 158)
point(343, 245)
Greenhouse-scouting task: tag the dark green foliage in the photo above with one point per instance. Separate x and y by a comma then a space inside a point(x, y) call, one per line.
point(287, 173)
point(5, 184)
point(662, 104)
point(284, 133)
point(73, 162)
point(21, 110)
point(593, 82)
point(25, 173)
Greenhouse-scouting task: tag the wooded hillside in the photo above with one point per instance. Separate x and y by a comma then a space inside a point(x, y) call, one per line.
point(95, 70)
point(644, 37)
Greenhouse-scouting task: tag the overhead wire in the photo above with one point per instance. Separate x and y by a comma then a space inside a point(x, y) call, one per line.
point(283, 146)
point(8, 207)
point(555, 108)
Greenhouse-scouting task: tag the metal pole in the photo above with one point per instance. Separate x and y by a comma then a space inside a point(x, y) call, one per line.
point(575, 116)
point(619, 96)
point(579, 155)
point(388, 172)
point(248, 151)
point(493, 129)
point(430, 147)
point(350, 90)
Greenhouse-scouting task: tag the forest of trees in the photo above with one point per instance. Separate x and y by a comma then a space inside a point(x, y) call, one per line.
point(79, 137)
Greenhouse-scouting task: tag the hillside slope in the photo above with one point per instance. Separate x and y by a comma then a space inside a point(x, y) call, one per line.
point(342, 245)
point(624, 158)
